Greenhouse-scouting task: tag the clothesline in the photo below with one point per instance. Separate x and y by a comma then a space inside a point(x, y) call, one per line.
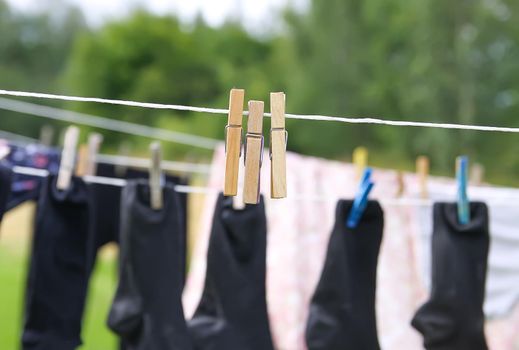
point(350, 120)
point(108, 124)
point(211, 190)
point(184, 167)
point(143, 163)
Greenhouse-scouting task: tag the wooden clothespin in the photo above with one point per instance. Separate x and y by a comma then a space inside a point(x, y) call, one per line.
point(46, 135)
point(253, 152)
point(82, 160)
point(155, 180)
point(422, 171)
point(462, 180)
point(400, 184)
point(94, 143)
point(360, 160)
point(87, 155)
point(233, 141)
point(68, 155)
point(477, 174)
point(123, 151)
point(278, 146)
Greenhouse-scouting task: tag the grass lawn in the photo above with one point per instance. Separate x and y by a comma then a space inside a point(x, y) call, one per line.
point(14, 244)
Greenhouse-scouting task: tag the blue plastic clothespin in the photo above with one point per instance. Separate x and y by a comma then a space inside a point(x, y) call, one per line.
point(462, 180)
point(361, 200)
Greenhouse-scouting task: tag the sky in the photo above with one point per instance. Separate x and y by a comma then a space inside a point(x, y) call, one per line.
point(256, 14)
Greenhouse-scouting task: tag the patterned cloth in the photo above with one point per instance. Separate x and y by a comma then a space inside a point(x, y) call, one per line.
point(298, 233)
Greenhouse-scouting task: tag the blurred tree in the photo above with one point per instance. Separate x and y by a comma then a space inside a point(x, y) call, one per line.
point(427, 60)
point(156, 59)
point(33, 52)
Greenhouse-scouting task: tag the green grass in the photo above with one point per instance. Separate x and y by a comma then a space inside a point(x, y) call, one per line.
point(96, 336)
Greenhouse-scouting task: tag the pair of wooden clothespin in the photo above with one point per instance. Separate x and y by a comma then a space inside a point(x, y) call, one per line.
point(87, 158)
point(462, 164)
point(254, 144)
point(361, 199)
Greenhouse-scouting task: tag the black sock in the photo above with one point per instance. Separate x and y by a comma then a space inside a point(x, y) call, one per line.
point(147, 309)
point(232, 313)
point(342, 311)
point(107, 199)
point(59, 269)
point(453, 317)
point(6, 176)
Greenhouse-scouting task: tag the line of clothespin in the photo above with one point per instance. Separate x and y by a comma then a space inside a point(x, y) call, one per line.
point(462, 180)
point(155, 177)
point(68, 155)
point(422, 171)
point(361, 200)
point(278, 146)
point(233, 141)
point(254, 142)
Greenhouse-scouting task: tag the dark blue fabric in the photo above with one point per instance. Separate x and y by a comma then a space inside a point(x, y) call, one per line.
point(25, 188)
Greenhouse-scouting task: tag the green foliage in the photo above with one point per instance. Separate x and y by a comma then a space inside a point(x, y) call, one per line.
point(429, 60)
point(425, 60)
point(154, 59)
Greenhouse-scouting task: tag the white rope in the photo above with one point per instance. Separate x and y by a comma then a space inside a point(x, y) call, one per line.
point(107, 124)
point(394, 202)
point(144, 163)
point(16, 137)
point(288, 115)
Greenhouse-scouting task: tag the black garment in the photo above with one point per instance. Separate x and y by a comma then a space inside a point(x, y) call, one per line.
point(59, 268)
point(147, 309)
point(453, 317)
point(342, 310)
point(6, 177)
point(232, 313)
point(107, 201)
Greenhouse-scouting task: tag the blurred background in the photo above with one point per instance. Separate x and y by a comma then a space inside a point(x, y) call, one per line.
point(426, 60)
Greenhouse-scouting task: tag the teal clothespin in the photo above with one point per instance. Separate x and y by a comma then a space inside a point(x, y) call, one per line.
point(361, 200)
point(462, 180)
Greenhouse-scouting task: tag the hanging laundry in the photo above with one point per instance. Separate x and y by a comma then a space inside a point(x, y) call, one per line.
point(6, 177)
point(299, 232)
point(147, 311)
point(232, 313)
point(59, 268)
point(453, 316)
point(24, 187)
point(342, 311)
